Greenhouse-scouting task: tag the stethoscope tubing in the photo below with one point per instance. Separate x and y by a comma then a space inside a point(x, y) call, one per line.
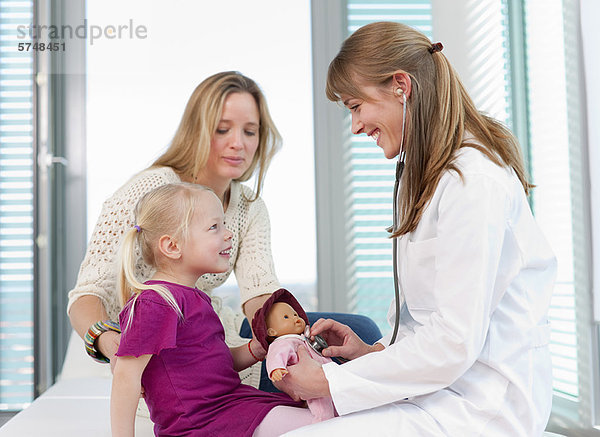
point(399, 171)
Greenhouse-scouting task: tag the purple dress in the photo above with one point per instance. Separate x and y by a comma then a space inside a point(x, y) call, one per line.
point(191, 386)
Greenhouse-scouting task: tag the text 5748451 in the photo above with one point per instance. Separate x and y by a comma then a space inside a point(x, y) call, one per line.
point(41, 47)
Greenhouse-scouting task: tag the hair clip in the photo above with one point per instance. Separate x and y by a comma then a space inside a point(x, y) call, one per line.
point(137, 228)
point(436, 47)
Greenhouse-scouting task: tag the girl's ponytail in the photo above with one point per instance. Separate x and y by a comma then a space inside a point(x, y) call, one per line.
point(126, 279)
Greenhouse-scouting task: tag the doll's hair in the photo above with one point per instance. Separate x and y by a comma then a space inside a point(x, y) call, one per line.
point(166, 210)
point(190, 147)
point(259, 321)
point(439, 110)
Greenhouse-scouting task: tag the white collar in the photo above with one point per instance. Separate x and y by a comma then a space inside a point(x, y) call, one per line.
point(298, 336)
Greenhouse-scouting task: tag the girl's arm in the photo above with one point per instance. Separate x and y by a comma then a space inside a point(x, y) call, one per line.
point(125, 394)
point(247, 355)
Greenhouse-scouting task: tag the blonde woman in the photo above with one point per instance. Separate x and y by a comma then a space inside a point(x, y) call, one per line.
point(171, 333)
point(226, 135)
point(475, 272)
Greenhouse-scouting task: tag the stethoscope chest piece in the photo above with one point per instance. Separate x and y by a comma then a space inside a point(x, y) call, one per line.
point(317, 344)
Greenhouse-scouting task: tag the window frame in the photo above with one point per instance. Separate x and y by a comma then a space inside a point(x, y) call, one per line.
point(60, 235)
point(329, 25)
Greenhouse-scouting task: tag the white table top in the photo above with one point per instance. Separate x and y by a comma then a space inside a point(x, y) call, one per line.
point(70, 408)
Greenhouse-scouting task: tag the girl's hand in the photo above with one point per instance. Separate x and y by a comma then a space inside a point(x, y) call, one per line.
point(342, 341)
point(305, 380)
point(257, 349)
point(247, 355)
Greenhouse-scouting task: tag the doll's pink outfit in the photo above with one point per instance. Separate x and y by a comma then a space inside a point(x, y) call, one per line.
point(282, 353)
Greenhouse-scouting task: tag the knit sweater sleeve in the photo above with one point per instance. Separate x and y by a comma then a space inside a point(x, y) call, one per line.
point(98, 271)
point(254, 268)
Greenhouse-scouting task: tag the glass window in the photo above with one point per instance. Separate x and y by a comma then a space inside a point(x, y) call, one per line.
point(139, 88)
point(550, 171)
point(16, 206)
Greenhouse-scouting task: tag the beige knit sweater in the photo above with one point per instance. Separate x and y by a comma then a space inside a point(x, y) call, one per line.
point(251, 258)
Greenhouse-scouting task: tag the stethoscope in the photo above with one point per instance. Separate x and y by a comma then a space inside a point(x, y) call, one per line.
point(318, 343)
point(399, 171)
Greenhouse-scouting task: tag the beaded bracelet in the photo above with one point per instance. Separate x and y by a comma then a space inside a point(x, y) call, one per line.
point(92, 335)
point(252, 353)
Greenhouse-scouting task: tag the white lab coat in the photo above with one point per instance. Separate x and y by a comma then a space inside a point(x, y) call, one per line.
point(472, 356)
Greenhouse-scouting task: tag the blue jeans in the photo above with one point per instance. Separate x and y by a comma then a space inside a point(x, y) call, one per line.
point(364, 327)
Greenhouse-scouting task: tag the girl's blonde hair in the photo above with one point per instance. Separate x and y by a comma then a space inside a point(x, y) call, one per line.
point(190, 148)
point(166, 210)
point(439, 110)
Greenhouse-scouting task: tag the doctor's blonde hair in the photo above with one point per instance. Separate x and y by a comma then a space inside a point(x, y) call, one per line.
point(439, 110)
point(166, 210)
point(190, 147)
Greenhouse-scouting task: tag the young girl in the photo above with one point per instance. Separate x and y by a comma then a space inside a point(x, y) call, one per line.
point(173, 343)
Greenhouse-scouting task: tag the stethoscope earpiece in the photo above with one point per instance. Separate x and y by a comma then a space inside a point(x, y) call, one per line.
point(399, 92)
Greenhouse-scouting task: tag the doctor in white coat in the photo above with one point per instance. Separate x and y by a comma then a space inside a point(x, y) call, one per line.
point(475, 272)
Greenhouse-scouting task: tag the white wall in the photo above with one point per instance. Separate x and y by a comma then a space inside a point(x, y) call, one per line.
point(137, 90)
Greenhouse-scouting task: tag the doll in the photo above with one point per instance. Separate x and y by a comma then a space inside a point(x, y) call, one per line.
point(279, 326)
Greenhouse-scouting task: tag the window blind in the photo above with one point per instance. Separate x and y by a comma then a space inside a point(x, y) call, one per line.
point(371, 180)
point(549, 152)
point(488, 58)
point(16, 208)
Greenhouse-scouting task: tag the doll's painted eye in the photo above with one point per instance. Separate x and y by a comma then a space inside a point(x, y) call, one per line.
point(286, 317)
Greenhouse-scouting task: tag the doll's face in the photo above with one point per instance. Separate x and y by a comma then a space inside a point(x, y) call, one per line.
point(283, 319)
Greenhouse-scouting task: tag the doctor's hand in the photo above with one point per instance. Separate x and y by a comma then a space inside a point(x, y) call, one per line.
point(305, 380)
point(342, 340)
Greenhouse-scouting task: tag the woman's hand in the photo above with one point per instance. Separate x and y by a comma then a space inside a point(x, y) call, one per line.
point(108, 344)
point(342, 340)
point(305, 380)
